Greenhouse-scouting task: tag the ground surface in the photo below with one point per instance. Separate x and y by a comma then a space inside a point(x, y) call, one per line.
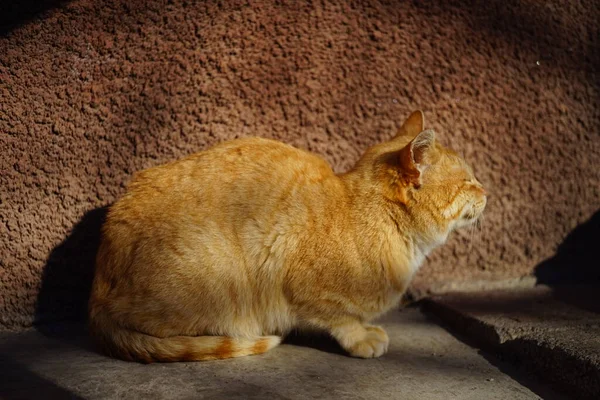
point(424, 362)
point(94, 90)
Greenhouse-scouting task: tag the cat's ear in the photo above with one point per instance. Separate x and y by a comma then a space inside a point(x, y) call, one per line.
point(413, 157)
point(413, 125)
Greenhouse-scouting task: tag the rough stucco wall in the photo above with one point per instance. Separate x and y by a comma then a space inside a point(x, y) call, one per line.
point(95, 90)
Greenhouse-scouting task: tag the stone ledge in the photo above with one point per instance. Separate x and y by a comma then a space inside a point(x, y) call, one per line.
point(554, 333)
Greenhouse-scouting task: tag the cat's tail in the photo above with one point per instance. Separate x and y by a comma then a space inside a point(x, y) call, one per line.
point(131, 345)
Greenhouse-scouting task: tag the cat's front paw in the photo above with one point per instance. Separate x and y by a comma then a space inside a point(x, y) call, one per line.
point(375, 344)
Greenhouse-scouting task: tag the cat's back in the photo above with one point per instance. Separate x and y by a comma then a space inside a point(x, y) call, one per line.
point(248, 173)
point(256, 160)
point(263, 157)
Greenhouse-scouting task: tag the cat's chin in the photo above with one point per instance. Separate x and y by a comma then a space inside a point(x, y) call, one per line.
point(465, 222)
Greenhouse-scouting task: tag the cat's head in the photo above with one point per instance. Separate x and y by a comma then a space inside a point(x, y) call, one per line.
point(430, 183)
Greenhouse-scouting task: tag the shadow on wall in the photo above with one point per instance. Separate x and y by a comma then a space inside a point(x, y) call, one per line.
point(576, 260)
point(68, 273)
point(525, 24)
point(16, 13)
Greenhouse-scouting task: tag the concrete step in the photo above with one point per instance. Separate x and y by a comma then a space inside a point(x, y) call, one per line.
point(554, 333)
point(424, 362)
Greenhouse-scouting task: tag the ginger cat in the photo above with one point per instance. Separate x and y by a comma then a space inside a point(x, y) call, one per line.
point(222, 253)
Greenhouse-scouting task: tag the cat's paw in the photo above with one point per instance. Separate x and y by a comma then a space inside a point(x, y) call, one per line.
point(375, 344)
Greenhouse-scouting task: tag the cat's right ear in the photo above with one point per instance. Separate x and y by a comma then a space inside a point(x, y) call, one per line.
point(407, 165)
point(413, 125)
point(414, 156)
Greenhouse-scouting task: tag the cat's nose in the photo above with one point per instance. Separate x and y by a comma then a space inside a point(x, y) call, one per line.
point(479, 187)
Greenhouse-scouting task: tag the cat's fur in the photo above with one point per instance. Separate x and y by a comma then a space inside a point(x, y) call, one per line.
point(222, 253)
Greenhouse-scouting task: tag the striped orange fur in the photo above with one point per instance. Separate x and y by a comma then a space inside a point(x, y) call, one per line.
point(222, 253)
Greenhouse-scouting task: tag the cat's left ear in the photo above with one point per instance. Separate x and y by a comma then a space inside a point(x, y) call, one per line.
point(413, 157)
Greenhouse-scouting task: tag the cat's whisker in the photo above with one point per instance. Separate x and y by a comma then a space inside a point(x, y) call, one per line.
point(471, 227)
point(479, 223)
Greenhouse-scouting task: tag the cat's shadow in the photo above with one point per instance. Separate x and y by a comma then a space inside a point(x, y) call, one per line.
point(315, 340)
point(62, 302)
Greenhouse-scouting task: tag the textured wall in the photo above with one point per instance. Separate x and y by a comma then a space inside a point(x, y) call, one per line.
point(92, 91)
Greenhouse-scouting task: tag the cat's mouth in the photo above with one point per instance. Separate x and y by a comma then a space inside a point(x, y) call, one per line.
point(470, 216)
point(475, 212)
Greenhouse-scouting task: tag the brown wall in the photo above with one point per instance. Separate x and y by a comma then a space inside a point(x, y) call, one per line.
point(92, 91)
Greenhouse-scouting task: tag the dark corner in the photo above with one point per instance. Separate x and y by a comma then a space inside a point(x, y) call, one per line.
point(574, 271)
point(577, 258)
point(16, 13)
